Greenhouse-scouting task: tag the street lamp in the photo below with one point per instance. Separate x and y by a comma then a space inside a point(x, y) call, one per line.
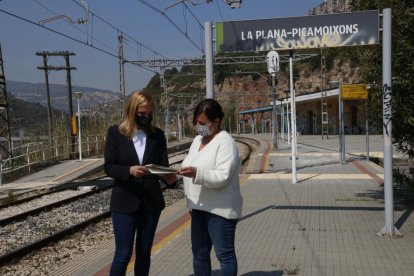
point(341, 123)
point(78, 96)
point(272, 59)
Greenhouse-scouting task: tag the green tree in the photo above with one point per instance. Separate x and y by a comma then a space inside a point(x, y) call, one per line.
point(370, 60)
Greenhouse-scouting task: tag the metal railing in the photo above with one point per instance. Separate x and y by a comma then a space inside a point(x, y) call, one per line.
point(32, 154)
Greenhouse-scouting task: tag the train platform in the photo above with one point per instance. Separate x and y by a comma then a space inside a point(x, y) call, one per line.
point(50, 177)
point(325, 224)
point(62, 173)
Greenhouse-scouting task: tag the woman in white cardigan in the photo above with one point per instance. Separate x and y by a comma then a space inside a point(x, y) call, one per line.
point(211, 183)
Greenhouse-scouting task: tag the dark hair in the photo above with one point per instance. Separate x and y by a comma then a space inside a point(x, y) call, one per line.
point(211, 108)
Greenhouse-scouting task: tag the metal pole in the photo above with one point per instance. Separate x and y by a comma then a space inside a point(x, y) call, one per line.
point(69, 83)
point(167, 108)
point(282, 121)
point(1, 170)
point(79, 132)
point(274, 115)
point(179, 127)
point(230, 125)
point(183, 126)
point(366, 129)
point(49, 109)
point(288, 119)
point(388, 229)
point(341, 124)
point(208, 42)
point(343, 130)
point(272, 59)
point(121, 70)
point(262, 123)
point(253, 124)
point(293, 115)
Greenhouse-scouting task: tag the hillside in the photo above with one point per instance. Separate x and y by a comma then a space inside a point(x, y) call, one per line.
point(28, 105)
point(36, 93)
point(26, 116)
point(245, 86)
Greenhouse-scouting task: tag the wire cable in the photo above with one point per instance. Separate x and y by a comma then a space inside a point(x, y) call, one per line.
point(221, 15)
point(171, 22)
point(71, 38)
point(119, 31)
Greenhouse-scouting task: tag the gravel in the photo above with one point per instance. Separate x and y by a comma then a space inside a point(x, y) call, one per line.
point(49, 258)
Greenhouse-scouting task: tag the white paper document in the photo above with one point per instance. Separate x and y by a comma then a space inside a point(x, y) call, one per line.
point(156, 169)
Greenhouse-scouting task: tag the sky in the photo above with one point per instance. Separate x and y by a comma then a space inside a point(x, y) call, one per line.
point(148, 35)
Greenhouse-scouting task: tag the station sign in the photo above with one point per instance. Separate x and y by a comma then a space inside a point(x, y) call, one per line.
point(316, 31)
point(354, 91)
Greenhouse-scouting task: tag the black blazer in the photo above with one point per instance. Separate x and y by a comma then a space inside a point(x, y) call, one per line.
point(130, 193)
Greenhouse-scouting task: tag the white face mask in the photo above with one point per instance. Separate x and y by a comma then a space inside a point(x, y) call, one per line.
point(203, 130)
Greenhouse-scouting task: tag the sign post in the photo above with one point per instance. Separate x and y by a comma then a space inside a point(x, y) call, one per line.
point(341, 129)
point(389, 229)
point(293, 117)
point(208, 41)
point(78, 96)
point(272, 59)
point(366, 129)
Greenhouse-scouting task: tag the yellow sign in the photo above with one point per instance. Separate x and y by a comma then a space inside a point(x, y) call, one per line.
point(74, 125)
point(354, 91)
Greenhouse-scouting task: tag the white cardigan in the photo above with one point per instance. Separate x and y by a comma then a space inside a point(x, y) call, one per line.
point(216, 186)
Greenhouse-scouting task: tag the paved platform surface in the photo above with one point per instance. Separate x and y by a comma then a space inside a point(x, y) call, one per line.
point(326, 224)
point(63, 172)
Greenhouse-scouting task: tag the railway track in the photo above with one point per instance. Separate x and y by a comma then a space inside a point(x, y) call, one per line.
point(19, 216)
point(37, 215)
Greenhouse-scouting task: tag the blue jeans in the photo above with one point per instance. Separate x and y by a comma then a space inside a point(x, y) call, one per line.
point(206, 230)
point(126, 225)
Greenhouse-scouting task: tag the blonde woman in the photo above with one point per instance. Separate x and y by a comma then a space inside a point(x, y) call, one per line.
point(136, 200)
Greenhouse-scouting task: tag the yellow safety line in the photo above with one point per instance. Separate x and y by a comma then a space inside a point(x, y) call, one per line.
point(170, 237)
point(313, 154)
point(73, 170)
point(174, 234)
point(162, 242)
point(243, 179)
point(313, 176)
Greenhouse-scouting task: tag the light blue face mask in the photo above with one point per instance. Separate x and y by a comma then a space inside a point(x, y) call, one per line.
point(203, 130)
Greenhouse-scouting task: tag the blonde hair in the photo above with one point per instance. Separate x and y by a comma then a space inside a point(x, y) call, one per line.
point(137, 99)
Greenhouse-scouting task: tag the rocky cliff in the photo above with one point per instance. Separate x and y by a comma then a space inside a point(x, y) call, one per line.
point(331, 6)
point(309, 72)
point(240, 92)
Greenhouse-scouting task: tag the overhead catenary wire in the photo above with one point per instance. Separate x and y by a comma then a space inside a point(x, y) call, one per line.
point(199, 23)
point(78, 29)
point(218, 7)
point(171, 22)
point(94, 15)
point(111, 52)
point(123, 33)
point(115, 55)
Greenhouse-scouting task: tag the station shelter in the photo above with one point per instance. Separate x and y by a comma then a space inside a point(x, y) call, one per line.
point(308, 115)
